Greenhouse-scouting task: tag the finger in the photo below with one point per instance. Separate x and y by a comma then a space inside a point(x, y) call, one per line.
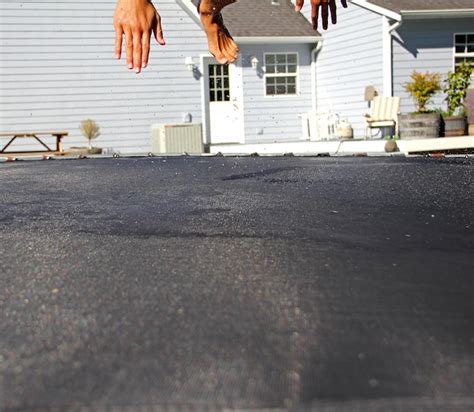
point(315, 13)
point(145, 48)
point(137, 51)
point(332, 7)
point(344, 3)
point(129, 48)
point(299, 5)
point(118, 41)
point(157, 31)
point(325, 14)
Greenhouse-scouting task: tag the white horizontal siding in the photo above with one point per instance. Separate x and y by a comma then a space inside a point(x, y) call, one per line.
point(274, 118)
point(350, 60)
point(425, 45)
point(57, 68)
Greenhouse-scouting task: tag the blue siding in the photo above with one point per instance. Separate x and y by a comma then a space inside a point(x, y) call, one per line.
point(350, 60)
point(425, 45)
point(274, 118)
point(57, 68)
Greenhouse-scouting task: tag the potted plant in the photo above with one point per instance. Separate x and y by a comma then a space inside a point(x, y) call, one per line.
point(90, 130)
point(456, 86)
point(424, 123)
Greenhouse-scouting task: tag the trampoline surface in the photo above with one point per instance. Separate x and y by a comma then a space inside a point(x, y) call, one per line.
point(213, 283)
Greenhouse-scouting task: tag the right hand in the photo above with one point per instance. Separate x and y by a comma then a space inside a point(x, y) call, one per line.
point(136, 19)
point(324, 5)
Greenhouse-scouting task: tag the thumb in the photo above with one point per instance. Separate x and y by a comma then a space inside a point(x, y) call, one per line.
point(157, 30)
point(299, 5)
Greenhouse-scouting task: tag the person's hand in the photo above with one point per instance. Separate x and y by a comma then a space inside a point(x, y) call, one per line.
point(326, 6)
point(136, 19)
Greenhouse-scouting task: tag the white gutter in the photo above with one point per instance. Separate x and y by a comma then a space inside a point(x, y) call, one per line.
point(277, 39)
point(314, 53)
point(388, 31)
point(437, 14)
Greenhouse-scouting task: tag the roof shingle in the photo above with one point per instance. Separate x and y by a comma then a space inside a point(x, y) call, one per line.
point(261, 18)
point(414, 5)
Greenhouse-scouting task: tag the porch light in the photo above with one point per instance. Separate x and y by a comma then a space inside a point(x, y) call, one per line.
point(254, 62)
point(188, 61)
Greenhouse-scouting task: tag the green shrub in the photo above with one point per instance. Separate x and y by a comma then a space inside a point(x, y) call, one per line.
point(456, 86)
point(422, 88)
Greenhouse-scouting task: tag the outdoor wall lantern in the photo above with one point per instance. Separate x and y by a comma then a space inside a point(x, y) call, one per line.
point(254, 62)
point(188, 61)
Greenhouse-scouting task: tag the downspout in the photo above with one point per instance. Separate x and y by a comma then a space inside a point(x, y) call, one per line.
point(314, 54)
point(388, 54)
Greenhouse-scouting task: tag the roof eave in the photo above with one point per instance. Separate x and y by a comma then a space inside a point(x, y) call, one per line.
point(436, 14)
point(378, 9)
point(277, 39)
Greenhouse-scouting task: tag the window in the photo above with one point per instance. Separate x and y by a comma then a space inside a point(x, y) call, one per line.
point(464, 49)
point(281, 73)
point(219, 83)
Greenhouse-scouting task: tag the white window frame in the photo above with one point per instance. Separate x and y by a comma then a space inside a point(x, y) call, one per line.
point(296, 75)
point(461, 55)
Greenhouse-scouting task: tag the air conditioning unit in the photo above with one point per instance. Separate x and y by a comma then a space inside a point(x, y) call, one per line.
point(177, 138)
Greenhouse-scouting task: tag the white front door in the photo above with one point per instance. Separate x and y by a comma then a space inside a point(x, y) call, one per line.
point(224, 112)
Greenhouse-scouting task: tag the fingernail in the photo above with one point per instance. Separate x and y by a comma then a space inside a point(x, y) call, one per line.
point(137, 69)
point(130, 66)
point(144, 65)
point(117, 56)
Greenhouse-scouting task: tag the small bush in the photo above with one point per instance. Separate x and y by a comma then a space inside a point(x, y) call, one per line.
point(90, 130)
point(422, 88)
point(456, 86)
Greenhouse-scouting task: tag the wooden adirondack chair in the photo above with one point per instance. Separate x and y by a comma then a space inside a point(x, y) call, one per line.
point(385, 112)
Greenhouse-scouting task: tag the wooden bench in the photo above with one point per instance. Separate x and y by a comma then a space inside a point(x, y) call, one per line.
point(38, 136)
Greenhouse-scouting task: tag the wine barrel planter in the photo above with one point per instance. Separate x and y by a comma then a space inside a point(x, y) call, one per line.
point(454, 126)
point(419, 125)
point(470, 131)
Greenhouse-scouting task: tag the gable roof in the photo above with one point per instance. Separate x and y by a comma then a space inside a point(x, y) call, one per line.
point(266, 18)
point(401, 6)
point(262, 20)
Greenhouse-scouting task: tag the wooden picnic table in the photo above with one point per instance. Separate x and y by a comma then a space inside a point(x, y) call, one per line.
point(38, 136)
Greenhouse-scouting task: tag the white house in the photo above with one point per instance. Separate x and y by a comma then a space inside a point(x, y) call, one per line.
point(58, 68)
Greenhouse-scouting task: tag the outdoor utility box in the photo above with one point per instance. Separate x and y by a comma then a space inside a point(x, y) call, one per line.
point(470, 105)
point(177, 138)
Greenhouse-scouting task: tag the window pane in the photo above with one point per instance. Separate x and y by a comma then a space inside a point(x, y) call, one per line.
point(470, 38)
point(226, 82)
point(270, 69)
point(211, 83)
point(219, 96)
point(269, 59)
point(271, 80)
point(270, 90)
point(281, 58)
point(470, 48)
point(292, 58)
point(218, 83)
point(227, 95)
point(212, 96)
point(292, 68)
point(291, 80)
point(460, 38)
point(281, 90)
point(281, 68)
point(281, 80)
point(226, 70)
point(291, 89)
point(460, 49)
